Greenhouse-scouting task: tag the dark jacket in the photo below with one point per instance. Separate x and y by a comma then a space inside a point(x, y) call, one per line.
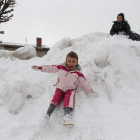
point(120, 27)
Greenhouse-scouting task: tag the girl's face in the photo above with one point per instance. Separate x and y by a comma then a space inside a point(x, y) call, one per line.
point(71, 62)
point(119, 18)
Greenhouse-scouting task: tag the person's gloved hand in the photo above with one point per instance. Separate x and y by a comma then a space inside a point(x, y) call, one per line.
point(95, 93)
point(112, 33)
point(36, 68)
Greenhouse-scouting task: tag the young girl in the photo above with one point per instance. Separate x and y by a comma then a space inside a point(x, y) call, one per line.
point(68, 78)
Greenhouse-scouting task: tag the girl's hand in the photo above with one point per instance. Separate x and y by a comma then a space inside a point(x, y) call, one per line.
point(35, 67)
point(95, 93)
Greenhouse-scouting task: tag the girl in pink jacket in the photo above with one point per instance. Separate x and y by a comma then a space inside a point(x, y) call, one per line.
point(69, 77)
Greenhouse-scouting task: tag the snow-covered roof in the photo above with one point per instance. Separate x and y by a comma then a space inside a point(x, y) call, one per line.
point(21, 45)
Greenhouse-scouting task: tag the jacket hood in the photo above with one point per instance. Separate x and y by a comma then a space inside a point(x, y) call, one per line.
point(121, 14)
point(77, 67)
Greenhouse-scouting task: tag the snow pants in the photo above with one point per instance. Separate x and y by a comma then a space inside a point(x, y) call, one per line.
point(69, 98)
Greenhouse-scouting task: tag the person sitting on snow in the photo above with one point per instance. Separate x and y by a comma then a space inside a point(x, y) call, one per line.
point(68, 77)
point(121, 26)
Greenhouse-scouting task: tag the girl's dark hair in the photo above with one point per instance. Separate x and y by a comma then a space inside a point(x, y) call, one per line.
point(72, 55)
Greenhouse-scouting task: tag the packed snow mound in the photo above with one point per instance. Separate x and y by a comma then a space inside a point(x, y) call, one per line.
point(22, 53)
point(111, 64)
point(64, 43)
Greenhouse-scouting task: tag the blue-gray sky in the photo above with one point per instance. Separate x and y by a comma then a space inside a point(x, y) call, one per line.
point(56, 19)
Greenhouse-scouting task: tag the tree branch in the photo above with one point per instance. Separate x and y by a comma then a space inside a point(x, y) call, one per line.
point(6, 12)
point(4, 9)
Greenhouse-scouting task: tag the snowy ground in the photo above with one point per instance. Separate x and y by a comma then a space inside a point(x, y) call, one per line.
point(112, 67)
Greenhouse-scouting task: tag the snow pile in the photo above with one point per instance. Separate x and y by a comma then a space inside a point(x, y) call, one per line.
point(5, 53)
point(66, 42)
point(110, 64)
point(25, 53)
point(22, 53)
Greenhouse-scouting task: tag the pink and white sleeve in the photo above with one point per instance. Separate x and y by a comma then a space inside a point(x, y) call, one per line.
point(50, 68)
point(84, 83)
point(47, 68)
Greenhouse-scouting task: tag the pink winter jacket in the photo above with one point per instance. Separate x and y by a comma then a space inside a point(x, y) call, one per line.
point(67, 79)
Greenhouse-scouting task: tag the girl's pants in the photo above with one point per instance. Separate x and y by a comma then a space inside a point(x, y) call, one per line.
point(69, 100)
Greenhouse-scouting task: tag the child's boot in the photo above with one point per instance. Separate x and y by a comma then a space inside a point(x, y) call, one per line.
point(46, 119)
point(66, 120)
point(47, 116)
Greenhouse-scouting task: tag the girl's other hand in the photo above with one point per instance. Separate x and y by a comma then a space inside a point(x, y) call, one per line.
point(95, 93)
point(35, 67)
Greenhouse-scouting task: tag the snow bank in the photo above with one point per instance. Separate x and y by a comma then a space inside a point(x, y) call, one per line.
point(66, 42)
point(110, 64)
point(22, 53)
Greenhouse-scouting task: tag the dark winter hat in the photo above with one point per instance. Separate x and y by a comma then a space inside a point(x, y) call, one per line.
point(121, 14)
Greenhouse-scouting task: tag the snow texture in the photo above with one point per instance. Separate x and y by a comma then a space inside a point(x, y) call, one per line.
point(112, 67)
point(22, 53)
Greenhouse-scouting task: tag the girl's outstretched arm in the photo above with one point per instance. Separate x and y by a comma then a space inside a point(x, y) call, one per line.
point(47, 68)
point(84, 83)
